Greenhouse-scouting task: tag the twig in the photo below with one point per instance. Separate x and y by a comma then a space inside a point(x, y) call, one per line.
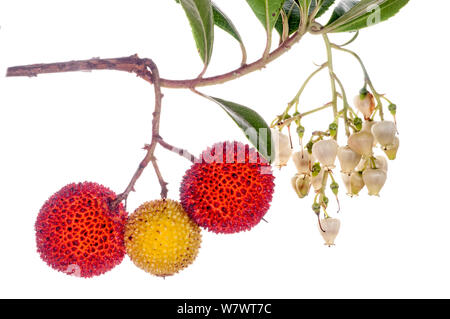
point(162, 183)
point(134, 64)
point(152, 74)
point(182, 152)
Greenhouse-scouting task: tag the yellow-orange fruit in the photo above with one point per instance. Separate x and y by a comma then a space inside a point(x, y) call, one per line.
point(161, 238)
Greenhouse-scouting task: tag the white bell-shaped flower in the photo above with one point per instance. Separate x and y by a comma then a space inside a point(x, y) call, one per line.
point(367, 127)
point(374, 180)
point(317, 181)
point(282, 148)
point(301, 184)
point(325, 151)
point(348, 159)
point(353, 183)
point(361, 143)
point(365, 105)
point(356, 183)
point(329, 229)
point(381, 163)
point(346, 179)
point(384, 132)
point(362, 164)
point(391, 150)
point(302, 162)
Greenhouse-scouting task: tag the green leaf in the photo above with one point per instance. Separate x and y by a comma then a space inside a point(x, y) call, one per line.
point(352, 15)
point(379, 14)
point(255, 128)
point(223, 22)
point(267, 11)
point(292, 11)
point(201, 18)
point(324, 8)
point(342, 8)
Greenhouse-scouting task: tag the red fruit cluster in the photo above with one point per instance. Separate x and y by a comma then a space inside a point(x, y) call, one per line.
point(77, 233)
point(229, 190)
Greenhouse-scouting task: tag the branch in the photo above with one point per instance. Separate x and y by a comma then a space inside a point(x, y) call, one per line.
point(134, 64)
point(153, 75)
point(182, 152)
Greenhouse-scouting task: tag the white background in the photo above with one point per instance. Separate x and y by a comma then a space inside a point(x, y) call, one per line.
point(62, 128)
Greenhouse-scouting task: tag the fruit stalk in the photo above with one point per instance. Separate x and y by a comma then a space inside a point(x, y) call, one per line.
point(153, 74)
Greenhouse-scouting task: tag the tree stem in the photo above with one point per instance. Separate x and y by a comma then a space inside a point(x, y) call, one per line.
point(134, 64)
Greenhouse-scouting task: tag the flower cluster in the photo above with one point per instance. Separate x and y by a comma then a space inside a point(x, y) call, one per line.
point(360, 165)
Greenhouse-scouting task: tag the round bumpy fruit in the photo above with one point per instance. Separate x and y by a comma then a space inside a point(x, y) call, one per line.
point(161, 239)
point(78, 233)
point(229, 190)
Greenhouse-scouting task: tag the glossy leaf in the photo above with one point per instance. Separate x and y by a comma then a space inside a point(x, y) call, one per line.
point(267, 11)
point(375, 15)
point(352, 15)
point(342, 8)
point(200, 16)
point(222, 21)
point(255, 128)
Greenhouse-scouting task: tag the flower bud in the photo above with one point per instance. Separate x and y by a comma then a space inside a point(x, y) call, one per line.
point(365, 104)
point(329, 230)
point(316, 169)
point(374, 180)
point(361, 143)
point(309, 147)
point(333, 129)
point(282, 148)
point(302, 162)
point(348, 159)
point(300, 131)
point(324, 200)
point(325, 152)
point(334, 188)
point(393, 109)
point(384, 132)
point(358, 123)
point(317, 180)
point(391, 150)
point(301, 184)
point(316, 208)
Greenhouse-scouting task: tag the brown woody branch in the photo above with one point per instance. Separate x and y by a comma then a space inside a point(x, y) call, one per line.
point(153, 75)
point(147, 70)
point(134, 64)
point(182, 152)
